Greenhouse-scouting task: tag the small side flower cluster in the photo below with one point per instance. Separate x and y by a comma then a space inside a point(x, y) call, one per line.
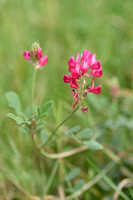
point(85, 66)
point(35, 56)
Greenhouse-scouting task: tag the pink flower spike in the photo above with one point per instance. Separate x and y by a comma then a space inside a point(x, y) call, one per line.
point(67, 79)
point(96, 65)
point(85, 109)
point(27, 55)
point(43, 61)
point(39, 53)
point(74, 84)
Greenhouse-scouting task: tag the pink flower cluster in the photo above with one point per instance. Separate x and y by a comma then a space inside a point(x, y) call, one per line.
point(83, 67)
point(35, 56)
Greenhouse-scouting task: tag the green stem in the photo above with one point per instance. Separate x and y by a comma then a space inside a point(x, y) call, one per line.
point(52, 135)
point(68, 116)
point(33, 88)
point(43, 153)
point(58, 155)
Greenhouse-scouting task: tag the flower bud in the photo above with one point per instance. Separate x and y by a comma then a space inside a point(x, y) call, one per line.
point(35, 56)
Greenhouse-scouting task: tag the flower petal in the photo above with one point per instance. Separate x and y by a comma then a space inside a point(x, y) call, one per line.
point(67, 79)
point(78, 57)
point(96, 65)
point(71, 62)
point(43, 61)
point(75, 74)
point(75, 95)
point(96, 73)
point(27, 55)
point(39, 53)
point(84, 70)
point(92, 58)
point(74, 84)
point(85, 109)
point(95, 90)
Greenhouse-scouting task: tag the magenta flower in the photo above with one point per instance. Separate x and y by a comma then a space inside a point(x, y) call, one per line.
point(35, 56)
point(85, 66)
point(93, 89)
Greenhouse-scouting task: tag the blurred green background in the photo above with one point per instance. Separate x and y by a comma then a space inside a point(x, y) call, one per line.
point(64, 27)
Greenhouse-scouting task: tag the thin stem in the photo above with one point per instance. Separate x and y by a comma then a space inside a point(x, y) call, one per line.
point(68, 116)
point(33, 88)
point(52, 135)
point(58, 155)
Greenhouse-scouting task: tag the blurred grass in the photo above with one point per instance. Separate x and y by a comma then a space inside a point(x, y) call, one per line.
point(63, 28)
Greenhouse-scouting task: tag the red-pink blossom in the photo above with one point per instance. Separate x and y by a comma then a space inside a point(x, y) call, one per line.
point(84, 67)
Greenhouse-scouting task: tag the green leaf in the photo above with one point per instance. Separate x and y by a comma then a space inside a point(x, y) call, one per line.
point(44, 136)
point(28, 110)
point(44, 114)
point(19, 120)
point(79, 185)
point(47, 107)
point(73, 130)
point(13, 100)
point(27, 122)
point(85, 133)
point(39, 127)
point(73, 174)
point(93, 145)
